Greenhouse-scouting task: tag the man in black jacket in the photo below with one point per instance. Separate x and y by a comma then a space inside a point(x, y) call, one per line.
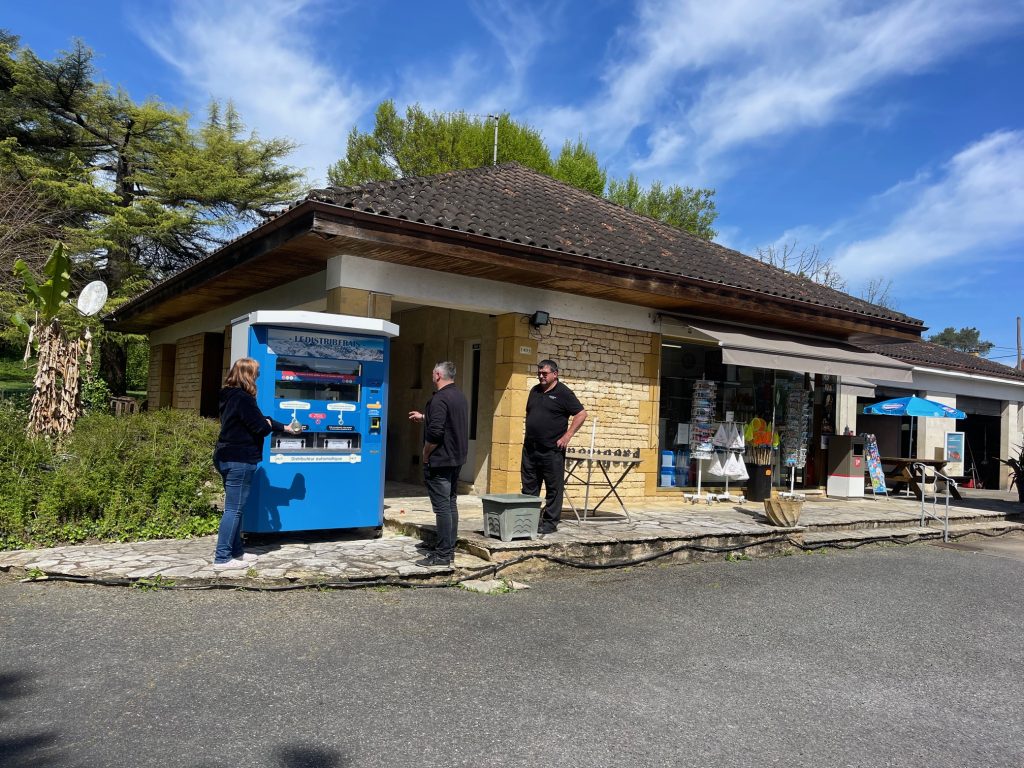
point(445, 448)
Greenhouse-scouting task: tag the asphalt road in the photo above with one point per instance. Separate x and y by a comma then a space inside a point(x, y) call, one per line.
point(903, 656)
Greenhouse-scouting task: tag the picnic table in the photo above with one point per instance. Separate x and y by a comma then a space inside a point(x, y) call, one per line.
point(898, 469)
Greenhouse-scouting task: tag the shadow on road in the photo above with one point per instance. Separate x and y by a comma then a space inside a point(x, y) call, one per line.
point(300, 756)
point(30, 748)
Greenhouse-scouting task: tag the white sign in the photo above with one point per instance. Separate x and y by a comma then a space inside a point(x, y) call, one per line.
point(341, 407)
point(344, 458)
point(294, 405)
point(525, 350)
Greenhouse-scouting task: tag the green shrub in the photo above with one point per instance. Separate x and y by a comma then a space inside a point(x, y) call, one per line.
point(148, 475)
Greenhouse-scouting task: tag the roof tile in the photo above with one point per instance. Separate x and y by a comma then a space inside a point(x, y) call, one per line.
point(513, 203)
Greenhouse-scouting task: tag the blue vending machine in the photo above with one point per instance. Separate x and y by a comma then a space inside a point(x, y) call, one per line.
point(329, 374)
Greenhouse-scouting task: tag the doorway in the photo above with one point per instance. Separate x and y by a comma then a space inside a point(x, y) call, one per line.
point(471, 388)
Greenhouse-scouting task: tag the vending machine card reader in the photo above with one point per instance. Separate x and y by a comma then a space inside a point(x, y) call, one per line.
point(327, 374)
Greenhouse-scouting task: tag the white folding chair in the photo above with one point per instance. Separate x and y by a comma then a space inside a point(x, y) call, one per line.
point(935, 484)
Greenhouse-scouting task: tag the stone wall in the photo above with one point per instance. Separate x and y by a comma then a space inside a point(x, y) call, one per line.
point(188, 372)
point(614, 373)
point(160, 384)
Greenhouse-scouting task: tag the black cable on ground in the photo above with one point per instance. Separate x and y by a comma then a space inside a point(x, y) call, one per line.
point(491, 570)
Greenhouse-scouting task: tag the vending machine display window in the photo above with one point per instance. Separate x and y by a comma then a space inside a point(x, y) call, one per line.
point(317, 379)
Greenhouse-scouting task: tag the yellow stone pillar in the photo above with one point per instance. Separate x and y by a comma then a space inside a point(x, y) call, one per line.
point(360, 303)
point(515, 372)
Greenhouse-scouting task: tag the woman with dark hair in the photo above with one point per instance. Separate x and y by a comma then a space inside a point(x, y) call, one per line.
point(239, 450)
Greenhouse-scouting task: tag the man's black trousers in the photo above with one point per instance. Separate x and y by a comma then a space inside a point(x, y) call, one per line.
point(545, 465)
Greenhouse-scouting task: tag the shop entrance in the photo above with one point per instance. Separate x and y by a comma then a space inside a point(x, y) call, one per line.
point(981, 434)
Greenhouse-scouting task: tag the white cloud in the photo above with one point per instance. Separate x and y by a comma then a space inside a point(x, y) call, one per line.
point(696, 80)
point(262, 55)
point(971, 213)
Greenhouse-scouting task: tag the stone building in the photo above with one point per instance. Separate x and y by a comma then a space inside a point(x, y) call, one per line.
point(498, 267)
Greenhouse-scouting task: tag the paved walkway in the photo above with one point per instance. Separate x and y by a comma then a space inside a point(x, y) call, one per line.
point(340, 556)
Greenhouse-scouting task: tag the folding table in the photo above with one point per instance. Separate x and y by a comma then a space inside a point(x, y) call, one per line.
point(575, 464)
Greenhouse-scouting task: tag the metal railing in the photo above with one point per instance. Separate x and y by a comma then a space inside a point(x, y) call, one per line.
point(930, 479)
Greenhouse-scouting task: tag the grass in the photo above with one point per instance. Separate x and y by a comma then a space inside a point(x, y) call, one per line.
point(14, 377)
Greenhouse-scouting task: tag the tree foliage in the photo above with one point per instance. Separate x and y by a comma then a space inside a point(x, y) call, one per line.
point(683, 207)
point(27, 229)
point(577, 165)
point(421, 144)
point(964, 340)
point(142, 192)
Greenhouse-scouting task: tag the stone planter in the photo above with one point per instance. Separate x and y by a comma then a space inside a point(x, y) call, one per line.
point(783, 512)
point(510, 516)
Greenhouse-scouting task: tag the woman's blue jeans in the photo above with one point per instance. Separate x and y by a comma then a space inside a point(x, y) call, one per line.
point(237, 480)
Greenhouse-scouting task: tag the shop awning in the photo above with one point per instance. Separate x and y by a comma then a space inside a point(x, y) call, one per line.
point(763, 349)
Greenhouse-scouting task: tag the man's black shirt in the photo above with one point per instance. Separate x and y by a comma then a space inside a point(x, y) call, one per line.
point(547, 414)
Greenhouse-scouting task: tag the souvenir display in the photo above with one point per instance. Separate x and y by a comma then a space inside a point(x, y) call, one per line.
point(702, 417)
point(794, 432)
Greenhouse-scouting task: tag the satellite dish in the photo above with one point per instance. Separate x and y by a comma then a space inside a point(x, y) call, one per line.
point(92, 298)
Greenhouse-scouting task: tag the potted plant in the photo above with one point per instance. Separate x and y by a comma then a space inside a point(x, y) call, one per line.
point(1016, 465)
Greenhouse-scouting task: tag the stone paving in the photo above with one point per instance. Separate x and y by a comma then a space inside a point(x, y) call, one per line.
point(676, 519)
point(341, 556)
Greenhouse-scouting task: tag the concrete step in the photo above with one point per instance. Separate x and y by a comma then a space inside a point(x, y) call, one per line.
point(854, 536)
point(907, 519)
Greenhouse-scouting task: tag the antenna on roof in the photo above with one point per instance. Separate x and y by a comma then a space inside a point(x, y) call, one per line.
point(495, 119)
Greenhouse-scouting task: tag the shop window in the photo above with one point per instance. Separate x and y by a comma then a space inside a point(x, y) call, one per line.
point(741, 394)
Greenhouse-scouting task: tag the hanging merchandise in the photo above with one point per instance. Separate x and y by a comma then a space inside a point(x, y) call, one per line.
point(702, 417)
point(716, 468)
point(702, 430)
point(794, 431)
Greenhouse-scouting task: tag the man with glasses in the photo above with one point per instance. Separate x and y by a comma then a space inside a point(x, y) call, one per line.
point(553, 416)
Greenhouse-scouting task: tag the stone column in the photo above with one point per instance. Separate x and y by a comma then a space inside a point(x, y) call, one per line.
point(357, 302)
point(160, 386)
point(514, 373)
point(650, 373)
point(1011, 436)
point(931, 432)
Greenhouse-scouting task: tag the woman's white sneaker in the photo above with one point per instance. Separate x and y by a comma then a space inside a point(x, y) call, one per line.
point(232, 563)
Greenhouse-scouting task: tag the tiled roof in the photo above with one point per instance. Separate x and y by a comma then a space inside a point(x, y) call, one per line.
point(516, 204)
point(928, 354)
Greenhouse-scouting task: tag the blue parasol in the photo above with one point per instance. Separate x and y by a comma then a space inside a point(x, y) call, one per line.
point(914, 407)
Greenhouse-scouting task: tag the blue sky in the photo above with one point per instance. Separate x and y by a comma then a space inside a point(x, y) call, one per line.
point(888, 134)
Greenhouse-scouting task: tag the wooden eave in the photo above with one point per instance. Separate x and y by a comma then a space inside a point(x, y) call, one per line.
point(300, 242)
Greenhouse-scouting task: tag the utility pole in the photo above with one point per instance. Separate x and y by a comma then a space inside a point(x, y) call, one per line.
point(1020, 365)
point(495, 119)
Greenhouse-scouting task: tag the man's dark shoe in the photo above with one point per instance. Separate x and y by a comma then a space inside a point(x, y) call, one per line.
point(434, 559)
point(545, 529)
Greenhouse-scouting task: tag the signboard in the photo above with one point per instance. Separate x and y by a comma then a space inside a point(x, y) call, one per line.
point(874, 465)
point(954, 454)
